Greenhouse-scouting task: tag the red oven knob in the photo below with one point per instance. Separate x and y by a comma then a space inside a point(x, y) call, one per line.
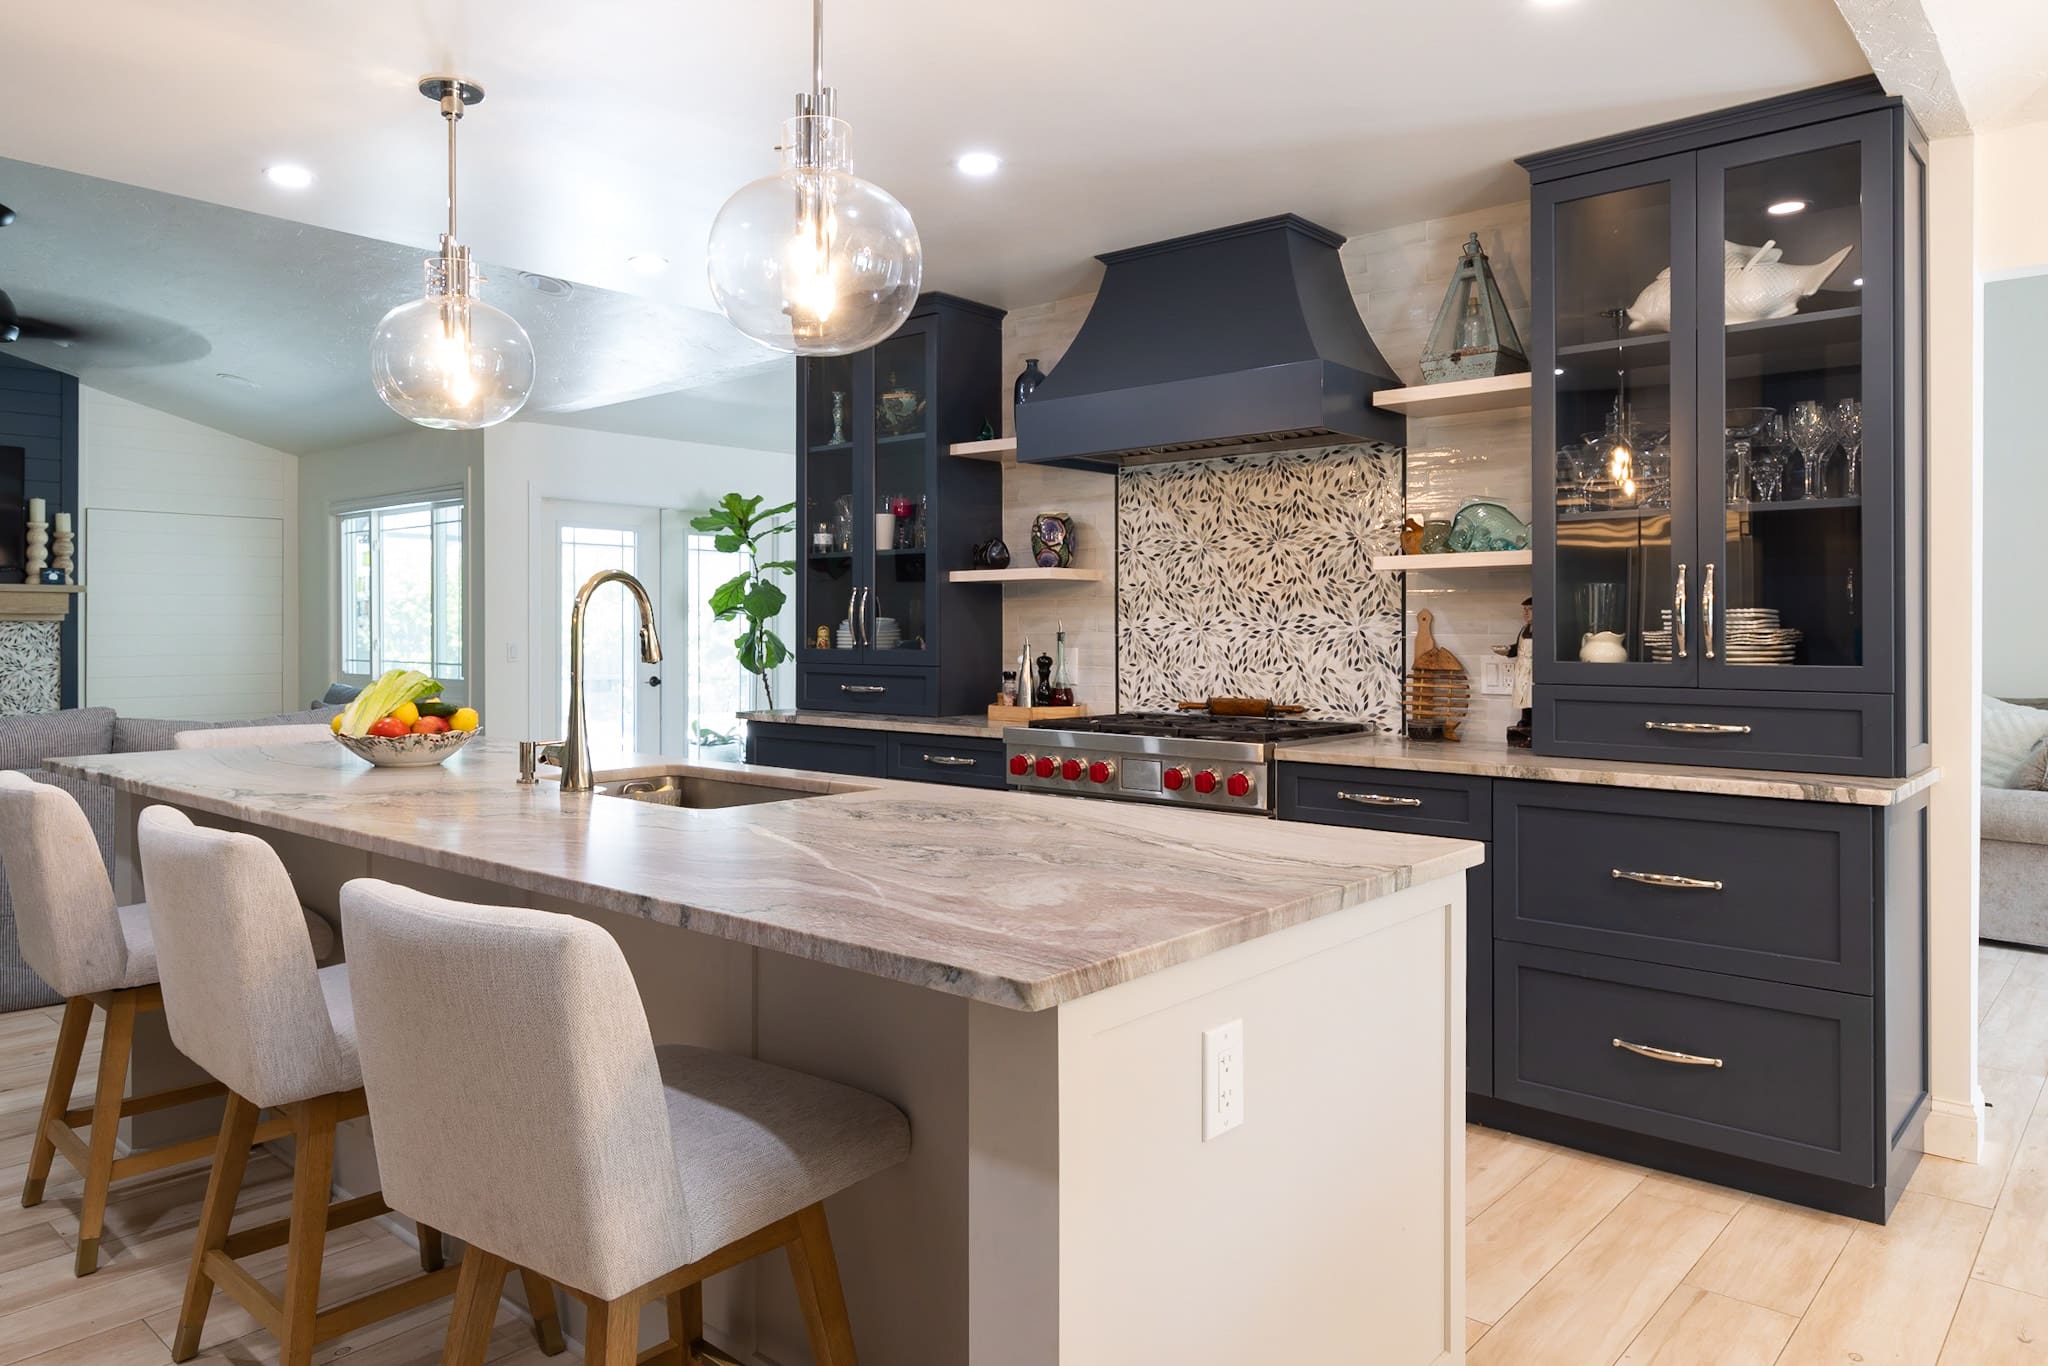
point(1020, 764)
point(1045, 766)
point(1240, 785)
point(1101, 771)
point(1175, 779)
point(1070, 769)
point(1205, 781)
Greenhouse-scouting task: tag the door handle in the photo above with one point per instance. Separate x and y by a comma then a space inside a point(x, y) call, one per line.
point(1697, 884)
point(1376, 799)
point(1695, 728)
point(860, 617)
point(1667, 1055)
point(863, 689)
point(1678, 612)
point(949, 760)
point(1707, 609)
point(654, 680)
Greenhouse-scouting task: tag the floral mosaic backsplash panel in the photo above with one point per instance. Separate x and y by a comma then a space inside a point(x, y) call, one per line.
point(28, 667)
point(1252, 576)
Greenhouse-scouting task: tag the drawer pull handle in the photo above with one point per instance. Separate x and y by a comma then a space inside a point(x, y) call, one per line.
point(864, 689)
point(1691, 884)
point(1377, 799)
point(949, 760)
point(1666, 1055)
point(1695, 728)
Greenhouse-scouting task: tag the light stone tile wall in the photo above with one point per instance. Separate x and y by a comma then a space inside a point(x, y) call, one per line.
point(1398, 277)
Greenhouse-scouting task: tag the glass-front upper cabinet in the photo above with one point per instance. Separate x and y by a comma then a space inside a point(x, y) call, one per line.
point(833, 496)
point(898, 622)
point(1616, 329)
point(1799, 486)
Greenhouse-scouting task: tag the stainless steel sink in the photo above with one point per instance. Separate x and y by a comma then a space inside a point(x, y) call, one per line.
point(696, 791)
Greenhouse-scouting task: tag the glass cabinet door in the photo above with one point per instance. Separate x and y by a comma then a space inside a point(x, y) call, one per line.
point(1615, 412)
point(835, 523)
point(900, 510)
point(1804, 471)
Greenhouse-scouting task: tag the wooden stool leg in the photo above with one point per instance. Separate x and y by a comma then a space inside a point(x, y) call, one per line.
point(611, 1333)
point(57, 1095)
point(432, 1255)
point(223, 1188)
point(477, 1287)
point(313, 1124)
point(816, 1273)
point(540, 1302)
point(106, 1127)
point(686, 1322)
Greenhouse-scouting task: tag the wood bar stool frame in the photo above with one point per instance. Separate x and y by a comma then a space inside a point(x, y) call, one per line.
point(611, 1335)
point(295, 1318)
point(92, 1155)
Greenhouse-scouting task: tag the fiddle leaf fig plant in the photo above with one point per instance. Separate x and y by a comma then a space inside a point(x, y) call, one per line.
point(743, 526)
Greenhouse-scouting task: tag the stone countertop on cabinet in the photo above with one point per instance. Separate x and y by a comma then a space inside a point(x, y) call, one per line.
point(1012, 898)
point(977, 726)
point(1497, 759)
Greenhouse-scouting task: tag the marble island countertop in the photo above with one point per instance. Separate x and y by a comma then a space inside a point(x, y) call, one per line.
point(853, 720)
point(1016, 899)
point(1488, 758)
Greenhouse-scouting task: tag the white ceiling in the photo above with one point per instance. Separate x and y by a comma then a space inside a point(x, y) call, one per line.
point(617, 127)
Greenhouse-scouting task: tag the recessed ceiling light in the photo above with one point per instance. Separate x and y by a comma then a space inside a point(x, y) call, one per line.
point(229, 377)
point(1857, 282)
point(647, 263)
point(1786, 206)
point(978, 163)
point(288, 176)
point(549, 285)
point(1560, 369)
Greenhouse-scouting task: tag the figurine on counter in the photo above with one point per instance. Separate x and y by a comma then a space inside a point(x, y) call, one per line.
point(1522, 687)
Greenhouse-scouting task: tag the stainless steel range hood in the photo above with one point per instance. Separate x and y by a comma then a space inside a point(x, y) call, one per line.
point(1239, 340)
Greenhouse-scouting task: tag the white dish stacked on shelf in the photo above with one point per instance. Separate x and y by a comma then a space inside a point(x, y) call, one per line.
point(1658, 642)
point(888, 634)
point(1754, 637)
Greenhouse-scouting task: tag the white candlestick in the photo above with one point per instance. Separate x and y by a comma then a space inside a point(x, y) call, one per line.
point(63, 523)
point(36, 509)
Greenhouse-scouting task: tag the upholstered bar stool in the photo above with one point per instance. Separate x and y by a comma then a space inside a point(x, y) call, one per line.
point(520, 1103)
point(244, 1000)
point(94, 954)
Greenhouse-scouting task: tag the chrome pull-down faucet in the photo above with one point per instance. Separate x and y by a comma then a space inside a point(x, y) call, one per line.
point(575, 746)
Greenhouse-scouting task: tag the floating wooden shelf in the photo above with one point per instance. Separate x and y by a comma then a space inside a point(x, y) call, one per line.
point(1494, 393)
point(1002, 447)
point(37, 601)
point(1027, 574)
point(1472, 559)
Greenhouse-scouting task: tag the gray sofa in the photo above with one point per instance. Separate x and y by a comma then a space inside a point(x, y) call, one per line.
point(2012, 880)
point(27, 742)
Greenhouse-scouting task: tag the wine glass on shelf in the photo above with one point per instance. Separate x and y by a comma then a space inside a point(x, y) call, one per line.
point(1744, 427)
point(1849, 431)
point(1813, 435)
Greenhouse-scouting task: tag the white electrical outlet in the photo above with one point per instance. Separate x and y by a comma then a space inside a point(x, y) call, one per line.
point(1222, 1079)
point(511, 652)
point(1496, 677)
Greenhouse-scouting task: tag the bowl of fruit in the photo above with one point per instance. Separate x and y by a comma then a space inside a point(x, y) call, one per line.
point(400, 721)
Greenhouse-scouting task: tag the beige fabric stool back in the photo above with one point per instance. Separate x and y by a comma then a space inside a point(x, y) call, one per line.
point(242, 993)
point(63, 904)
point(534, 1126)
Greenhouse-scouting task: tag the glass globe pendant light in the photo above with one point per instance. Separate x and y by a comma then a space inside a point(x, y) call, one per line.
point(449, 359)
point(814, 259)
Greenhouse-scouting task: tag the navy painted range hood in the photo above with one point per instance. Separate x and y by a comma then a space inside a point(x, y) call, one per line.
point(1239, 340)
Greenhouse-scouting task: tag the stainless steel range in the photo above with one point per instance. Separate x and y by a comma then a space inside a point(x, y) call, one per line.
point(1219, 763)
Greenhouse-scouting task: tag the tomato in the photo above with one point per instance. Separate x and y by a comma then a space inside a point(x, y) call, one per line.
point(465, 718)
point(389, 727)
point(429, 725)
point(405, 714)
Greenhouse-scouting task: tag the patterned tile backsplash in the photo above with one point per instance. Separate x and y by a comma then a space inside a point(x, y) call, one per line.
point(1252, 576)
point(28, 667)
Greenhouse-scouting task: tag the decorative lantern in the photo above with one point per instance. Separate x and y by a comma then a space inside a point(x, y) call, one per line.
point(1473, 336)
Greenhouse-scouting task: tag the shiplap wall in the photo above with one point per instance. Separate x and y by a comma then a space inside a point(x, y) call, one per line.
point(1398, 277)
point(189, 550)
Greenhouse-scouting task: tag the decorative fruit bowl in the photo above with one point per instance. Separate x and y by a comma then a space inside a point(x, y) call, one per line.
point(407, 751)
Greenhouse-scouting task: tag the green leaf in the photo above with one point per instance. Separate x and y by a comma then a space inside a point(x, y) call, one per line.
point(728, 542)
point(773, 651)
point(727, 597)
point(764, 600)
point(774, 531)
point(786, 566)
point(777, 512)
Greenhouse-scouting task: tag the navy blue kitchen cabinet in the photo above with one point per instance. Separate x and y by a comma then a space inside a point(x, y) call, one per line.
point(1729, 451)
point(960, 761)
point(884, 515)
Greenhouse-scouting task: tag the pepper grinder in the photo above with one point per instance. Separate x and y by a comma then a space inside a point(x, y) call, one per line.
point(1041, 693)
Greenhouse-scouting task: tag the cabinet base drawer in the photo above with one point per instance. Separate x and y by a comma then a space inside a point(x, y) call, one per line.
point(1776, 1074)
point(1786, 732)
point(896, 692)
point(947, 759)
point(816, 749)
point(1448, 804)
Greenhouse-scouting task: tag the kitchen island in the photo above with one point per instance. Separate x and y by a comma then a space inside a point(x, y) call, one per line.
point(1031, 979)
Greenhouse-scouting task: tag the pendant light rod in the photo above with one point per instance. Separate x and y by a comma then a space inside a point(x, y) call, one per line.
point(818, 57)
point(454, 94)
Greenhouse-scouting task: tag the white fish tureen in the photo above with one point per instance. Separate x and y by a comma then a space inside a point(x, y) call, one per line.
point(1756, 283)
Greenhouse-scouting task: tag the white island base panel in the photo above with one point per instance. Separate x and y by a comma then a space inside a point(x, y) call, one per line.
point(1060, 1207)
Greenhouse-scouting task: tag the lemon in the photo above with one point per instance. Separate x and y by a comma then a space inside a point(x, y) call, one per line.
point(405, 714)
point(335, 724)
point(465, 718)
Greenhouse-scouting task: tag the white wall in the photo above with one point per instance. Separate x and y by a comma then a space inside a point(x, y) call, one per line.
point(2016, 486)
point(188, 549)
point(526, 464)
point(412, 462)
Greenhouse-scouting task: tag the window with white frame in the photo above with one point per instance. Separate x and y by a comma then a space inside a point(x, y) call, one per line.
point(718, 686)
point(401, 582)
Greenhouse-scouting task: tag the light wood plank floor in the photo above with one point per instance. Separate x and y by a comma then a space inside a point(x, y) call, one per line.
point(1574, 1260)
